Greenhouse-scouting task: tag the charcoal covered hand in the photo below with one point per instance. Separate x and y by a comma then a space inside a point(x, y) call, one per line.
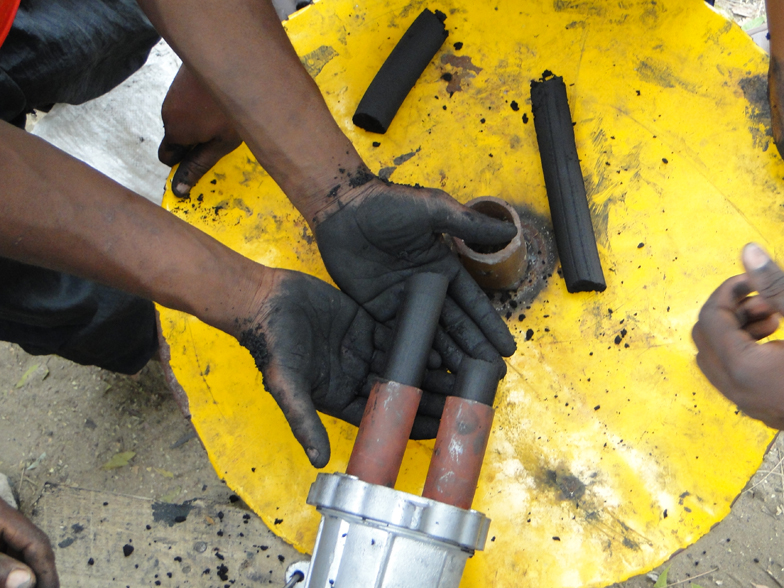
point(731, 323)
point(318, 350)
point(376, 235)
point(26, 557)
point(198, 134)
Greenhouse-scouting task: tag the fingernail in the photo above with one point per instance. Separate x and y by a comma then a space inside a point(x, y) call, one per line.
point(313, 454)
point(754, 257)
point(182, 189)
point(19, 579)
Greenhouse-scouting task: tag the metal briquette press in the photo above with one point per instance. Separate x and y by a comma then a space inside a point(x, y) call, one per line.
point(373, 536)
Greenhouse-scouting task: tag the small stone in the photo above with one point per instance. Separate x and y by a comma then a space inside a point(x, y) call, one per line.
point(5, 492)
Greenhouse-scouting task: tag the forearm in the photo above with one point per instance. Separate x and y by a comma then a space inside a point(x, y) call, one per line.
point(61, 214)
point(241, 53)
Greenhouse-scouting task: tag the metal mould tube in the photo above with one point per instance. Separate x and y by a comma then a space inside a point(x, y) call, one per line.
point(392, 405)
point(383, 433)
point(462, 435)
point(459, 452)
point(505, 268)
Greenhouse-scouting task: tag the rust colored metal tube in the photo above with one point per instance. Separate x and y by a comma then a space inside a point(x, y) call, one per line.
point(462, 435)
point(459, 452)
point(392, 406)
point(383, 433)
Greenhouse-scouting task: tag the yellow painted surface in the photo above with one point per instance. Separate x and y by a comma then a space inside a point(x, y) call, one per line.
point(660, 453)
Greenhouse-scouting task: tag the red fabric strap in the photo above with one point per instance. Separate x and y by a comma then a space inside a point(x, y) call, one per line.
point(8, 10)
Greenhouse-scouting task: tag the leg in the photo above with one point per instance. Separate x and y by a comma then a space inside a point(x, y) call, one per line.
point(47, 312)
point(70, 51)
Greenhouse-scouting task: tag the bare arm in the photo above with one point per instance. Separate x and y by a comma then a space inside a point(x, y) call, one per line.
point(241, 54)
point(61, 214)
point(309, 340)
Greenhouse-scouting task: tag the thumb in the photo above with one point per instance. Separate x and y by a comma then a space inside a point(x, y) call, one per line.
point(764, 276)
point(463, 222)
point(292, 393)
point(14, 574)
point(197, 162)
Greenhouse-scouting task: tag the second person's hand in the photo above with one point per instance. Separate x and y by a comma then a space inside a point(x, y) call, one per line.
point(731, 323)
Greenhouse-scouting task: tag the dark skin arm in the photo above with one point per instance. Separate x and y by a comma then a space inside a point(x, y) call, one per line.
point(314, 163)
point(239, 52)
point(731, 323)
point(315, 347)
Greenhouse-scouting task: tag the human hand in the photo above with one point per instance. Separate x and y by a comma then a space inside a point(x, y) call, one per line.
point(198, 134)
point(748, 373)
point(376, 235)
point(318, 350)
point(26, 557)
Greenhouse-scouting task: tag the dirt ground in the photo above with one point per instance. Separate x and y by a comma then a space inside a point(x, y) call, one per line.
point(60, 423)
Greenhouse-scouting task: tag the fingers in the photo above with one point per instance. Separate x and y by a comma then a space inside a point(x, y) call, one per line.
point(197, 162)
point(438, 382)
point(747, 373)
point(450, 352)
point(14, 574)
point(425, 427)
point(170, 153)
point(198, 134)
point(754, 309)
point(718, 327)
point(764, 275)
point(384, 306)
point(465, 333)
point(473, 301)
point(451, 217)
point(431, 405)
point(353, 413)
point(757, 317)
point(762, 328)
point(292, 393)
point(21, 537)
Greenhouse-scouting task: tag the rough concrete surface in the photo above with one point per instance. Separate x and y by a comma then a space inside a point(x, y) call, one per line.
point(60, 423)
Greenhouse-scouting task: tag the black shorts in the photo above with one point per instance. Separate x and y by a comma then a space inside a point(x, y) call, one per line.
point(72, 51)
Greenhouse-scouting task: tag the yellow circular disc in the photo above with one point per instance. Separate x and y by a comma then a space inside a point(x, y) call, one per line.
point(610, 450)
